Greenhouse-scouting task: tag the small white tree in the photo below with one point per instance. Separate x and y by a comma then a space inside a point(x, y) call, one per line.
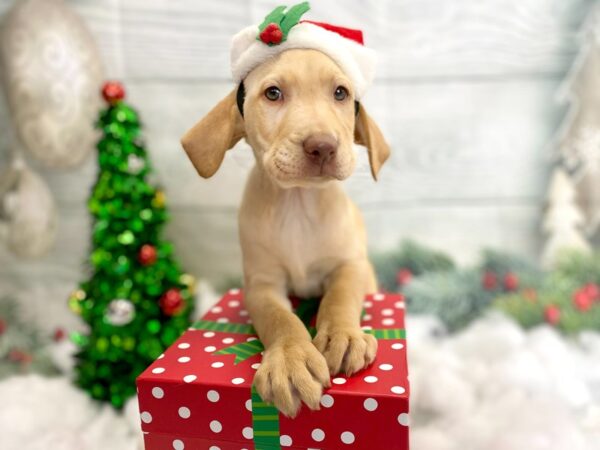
point(563, 220)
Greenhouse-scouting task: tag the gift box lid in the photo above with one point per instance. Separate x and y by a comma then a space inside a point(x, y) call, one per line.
point(200, 389)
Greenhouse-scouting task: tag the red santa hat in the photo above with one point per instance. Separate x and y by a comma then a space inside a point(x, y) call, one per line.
point(283, 30)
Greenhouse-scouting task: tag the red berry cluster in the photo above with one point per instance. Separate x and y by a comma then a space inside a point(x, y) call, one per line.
point(490, 281)
point(585, 296)
point(271, 35)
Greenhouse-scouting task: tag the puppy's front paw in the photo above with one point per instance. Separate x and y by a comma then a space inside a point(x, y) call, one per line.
point(291, 373)
point(346, 349)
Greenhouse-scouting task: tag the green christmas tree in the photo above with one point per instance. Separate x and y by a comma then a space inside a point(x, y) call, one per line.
point(137, 300)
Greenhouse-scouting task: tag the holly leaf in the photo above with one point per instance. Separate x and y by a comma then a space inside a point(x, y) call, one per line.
point(292, 17)
point(274, 16)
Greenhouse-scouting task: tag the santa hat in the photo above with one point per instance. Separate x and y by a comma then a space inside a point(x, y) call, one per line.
point(282, 30)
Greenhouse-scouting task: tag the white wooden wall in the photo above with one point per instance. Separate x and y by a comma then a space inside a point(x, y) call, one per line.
point(465, 95)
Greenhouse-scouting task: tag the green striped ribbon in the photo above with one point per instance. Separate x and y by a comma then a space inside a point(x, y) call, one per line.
point(265, 424)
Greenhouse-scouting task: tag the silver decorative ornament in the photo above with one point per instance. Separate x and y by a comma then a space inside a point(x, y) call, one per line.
point(119, 312)
point(52, 75)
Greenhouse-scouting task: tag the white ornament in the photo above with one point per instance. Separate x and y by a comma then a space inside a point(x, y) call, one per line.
point(135, 164)
point(52, 75)
point(563, 220)
point(28, 217)
point(120, 312)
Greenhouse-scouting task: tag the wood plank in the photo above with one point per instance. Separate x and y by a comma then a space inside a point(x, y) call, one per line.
point(189, 40)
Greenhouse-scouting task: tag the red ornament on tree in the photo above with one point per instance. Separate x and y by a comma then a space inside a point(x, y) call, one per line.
point(403, 277)
point(147, 255)
point(272, 34)
point(582, 300)
point(113, 92)
point(172, 303)
point(489, 280)
point(592, 290)
point(552, 314)
point(511, 281)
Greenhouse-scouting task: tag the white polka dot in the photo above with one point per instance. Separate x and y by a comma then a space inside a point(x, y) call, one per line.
point(347, 437)
point(398, 390)
point(217, 365)
point(285, 440)
point(370, 404)
point(338, 380)
point(184, 345)
point(190, 378)
point(249, 405)
point(367, 327)
point(162, 355)
point(370, 379)
point(243, 313)
point(399, 305)
point(397, 346)
point(158, 392)
point(367, 317)
point(386, 367)
point(178, 445)
point(368, 304)
point(234, 291)
point(228, 340)
point(184, 359)
point(388, 321)
point(217, 310)
point(237, 380)
point(318, 434)
point(213, 396)
point(215, 426)
point(252, 338)
point(387, 312)
point(184, 412)
point(255, 366)
point(404, 419)
point(210, 348)
point(214, 447)
point(222, 320)
point(146, 417)
point(208, 334)
point(249, 321)
point(248, 433)
point(234, 303)
point(158, 370)
point(378, 297)
point(327, 401)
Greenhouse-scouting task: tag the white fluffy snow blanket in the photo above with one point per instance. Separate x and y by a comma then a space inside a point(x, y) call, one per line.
point(490, 387)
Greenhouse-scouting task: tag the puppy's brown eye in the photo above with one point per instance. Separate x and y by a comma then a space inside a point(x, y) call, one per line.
point(340, 93)
point(273, 93)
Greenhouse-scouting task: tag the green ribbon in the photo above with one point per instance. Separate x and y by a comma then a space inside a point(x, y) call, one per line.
point(265, 417)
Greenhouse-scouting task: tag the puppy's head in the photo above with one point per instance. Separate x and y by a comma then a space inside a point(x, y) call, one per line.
point(299, 116)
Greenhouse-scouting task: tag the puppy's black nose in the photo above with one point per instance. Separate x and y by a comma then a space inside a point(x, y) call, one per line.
point(320, 148)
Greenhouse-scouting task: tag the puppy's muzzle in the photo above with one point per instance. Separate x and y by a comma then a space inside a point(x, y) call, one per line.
point(320, 148)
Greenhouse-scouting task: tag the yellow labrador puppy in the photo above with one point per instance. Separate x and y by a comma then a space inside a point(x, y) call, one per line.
point(299, 231)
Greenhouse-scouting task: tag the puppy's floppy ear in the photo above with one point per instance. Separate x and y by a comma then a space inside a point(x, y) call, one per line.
point(207, 141)
point(367, 133)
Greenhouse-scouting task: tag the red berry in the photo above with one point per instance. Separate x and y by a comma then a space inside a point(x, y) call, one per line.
point(552, 314)
point(489, 280)
point(113, 92)
point(172, 303)
point(59, 335)
point(147, 255)
point(592, 290)
point(581, 300)
point(272, 34)
point(511, 281)
point(403, 277)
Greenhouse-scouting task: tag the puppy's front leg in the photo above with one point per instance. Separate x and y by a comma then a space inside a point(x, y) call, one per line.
point(339, 336)
point(292, 369)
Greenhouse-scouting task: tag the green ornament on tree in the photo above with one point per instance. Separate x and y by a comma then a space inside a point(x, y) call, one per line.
point(132, 267)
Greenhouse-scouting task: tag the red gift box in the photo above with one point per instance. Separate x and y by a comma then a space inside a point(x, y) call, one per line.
point(199, 395)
